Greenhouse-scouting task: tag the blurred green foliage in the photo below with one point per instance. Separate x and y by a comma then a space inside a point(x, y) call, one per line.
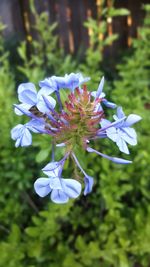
point(108, 228)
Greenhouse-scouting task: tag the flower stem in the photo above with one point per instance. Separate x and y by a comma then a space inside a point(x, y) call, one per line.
point(78, 164)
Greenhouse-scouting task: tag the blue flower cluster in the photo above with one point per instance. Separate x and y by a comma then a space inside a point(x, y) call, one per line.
point(78, 120)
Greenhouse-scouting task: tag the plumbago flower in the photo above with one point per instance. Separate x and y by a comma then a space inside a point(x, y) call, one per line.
point(72, 124)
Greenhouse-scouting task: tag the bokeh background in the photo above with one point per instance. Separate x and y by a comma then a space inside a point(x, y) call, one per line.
point(111, 226)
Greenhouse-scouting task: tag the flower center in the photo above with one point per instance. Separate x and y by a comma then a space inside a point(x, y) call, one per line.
point(79, 120)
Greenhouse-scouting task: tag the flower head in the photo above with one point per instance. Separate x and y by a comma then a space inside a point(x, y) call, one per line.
point(71, 124)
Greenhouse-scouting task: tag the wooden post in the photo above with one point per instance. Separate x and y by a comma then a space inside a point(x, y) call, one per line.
point(10, 14)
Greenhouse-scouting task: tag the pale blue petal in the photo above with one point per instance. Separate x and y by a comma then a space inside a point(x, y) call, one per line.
point(42, 187)
point(42, 106)
point(112, 134)
point(112, 124)
point(88, 180)
point(16, 131)
point(74, 80)
point(48, 86)
point(105, 123)
point(129, 131)
point(47, 104)
point(18, 141)
point(45, 91)
point(36, 126)
point(53, 169)
point(114, 159)
point(26, 86)
point(71, 187)
point(55, 183)
point(59, 197)
point(71, 81)
point(108, 104)
point(122, 145)
point(129, 135)
point(62, 82)
point(26, 139)
point(22, 135)
point(120, 113)
point(52, 101)
point(22, 107)
point(131, 119)
point(82, 79)
point(28, 97)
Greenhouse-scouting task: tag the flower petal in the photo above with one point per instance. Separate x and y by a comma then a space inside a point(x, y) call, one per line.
point(48, 86)
point(28, 97)
point(26, 139)
point(122, 145)
point(42, 187)
point(71, 187)
point(59, 197)
point(112, 133)
point(16, 131)
point(42, 105)
point(109, 104)
point(129, 135)
point(88, 180)
point(22, 135)
point(53, 169)
point(36, 125)
point(26, 86)
point(23, 107)
point(111, 124)
point(131, 119)
point(55, 183)
point(120, 113)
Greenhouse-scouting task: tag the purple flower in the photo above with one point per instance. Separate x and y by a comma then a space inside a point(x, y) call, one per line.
point(70, 81)
point(60, 189)
point(99, 94)
point(29, 97)
point(122, 133)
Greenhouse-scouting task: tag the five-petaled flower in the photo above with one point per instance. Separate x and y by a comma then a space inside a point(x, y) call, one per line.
point(60, 189)
point(73, 123)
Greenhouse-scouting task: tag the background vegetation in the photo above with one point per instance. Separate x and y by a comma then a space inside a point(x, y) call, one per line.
point(110, 227)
